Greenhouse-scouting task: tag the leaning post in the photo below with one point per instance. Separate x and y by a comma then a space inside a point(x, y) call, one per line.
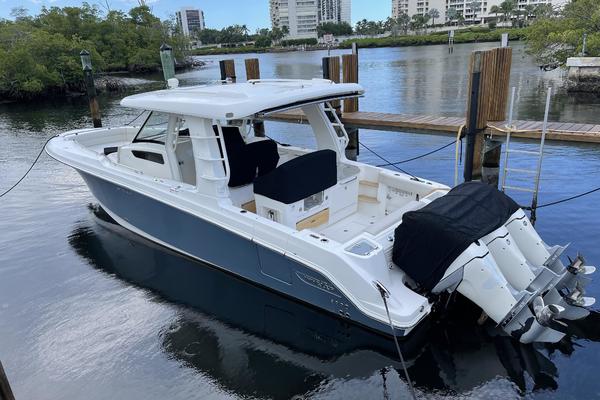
point(227, 68)
point(86, 64)
point(253, 72)
point(350, 75)
point(167, 62)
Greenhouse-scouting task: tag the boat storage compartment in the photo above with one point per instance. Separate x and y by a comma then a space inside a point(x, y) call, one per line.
point(429, 239)
point(297, 193)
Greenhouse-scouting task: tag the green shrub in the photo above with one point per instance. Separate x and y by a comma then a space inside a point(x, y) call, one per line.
point(262, 41)
point(299, 42)
point(470, 35)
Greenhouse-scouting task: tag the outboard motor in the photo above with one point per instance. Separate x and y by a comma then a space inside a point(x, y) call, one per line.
point(477, 240)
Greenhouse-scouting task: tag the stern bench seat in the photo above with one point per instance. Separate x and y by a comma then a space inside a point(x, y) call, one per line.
point(297, 193)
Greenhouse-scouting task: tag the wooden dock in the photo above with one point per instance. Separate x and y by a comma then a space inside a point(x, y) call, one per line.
point(563, 131)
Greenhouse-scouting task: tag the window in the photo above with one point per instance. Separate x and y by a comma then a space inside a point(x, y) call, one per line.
point(154, 129)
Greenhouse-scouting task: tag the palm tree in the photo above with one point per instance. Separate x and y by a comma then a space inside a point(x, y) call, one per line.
point(433, 13)
point(451, 14)
point(244, 30)
point(543, 10)
point(418, 22)
point(475, 7)
point(495, 10)
point(529, 11)
point(361, 26)
point(460, 19)
point(507, 8)
point(404, 22)
point(389, 24)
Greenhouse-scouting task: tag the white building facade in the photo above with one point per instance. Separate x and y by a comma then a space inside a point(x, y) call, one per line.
point(190, 20)
point(483, 14)
point(301, 17)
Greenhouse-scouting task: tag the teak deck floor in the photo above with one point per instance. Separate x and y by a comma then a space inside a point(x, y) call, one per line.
point(565, 131)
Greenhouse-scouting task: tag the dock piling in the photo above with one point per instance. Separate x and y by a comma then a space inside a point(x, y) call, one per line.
point(350, 75)
point(86, 64)
point(253, 72)
point(252, 68)
point(489, 76)
point(5, 390)
point(331, 71)
point(473, 115)
point(227, 70)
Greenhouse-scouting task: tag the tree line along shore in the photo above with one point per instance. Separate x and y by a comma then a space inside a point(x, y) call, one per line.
point(39, 55)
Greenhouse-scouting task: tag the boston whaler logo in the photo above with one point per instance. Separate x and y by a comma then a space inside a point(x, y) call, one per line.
point(318, 283)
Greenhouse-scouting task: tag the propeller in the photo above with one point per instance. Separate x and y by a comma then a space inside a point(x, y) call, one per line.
point(577, 298)
point(545, 314)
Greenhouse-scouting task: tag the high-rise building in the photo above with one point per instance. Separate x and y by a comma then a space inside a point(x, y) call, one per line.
point(335, 11)
point(301, 17)
point(190, 20)
point(482, 14)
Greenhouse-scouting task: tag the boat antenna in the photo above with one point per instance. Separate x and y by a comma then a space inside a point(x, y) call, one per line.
point(384, 295)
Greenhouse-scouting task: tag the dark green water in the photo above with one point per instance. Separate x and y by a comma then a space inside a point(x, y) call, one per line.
point(88, 310)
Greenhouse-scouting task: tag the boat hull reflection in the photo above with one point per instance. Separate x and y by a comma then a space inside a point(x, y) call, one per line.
point(254, 342)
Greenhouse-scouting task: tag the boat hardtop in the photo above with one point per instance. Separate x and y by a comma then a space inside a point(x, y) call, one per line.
point(200, 177)
point(241, 100)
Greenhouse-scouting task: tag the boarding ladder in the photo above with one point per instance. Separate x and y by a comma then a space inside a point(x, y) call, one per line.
point(539, 154)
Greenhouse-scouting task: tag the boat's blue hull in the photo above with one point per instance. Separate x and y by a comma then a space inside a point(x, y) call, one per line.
point(226, 250)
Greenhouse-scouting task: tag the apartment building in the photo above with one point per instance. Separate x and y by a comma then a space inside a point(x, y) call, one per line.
point(301, 17)
point(480, 15)
point(190, 20)
point(335, 11)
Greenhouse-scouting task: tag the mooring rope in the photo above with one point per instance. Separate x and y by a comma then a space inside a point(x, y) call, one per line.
point(384, 295)
point(30, 168)
point(456, 156)
point(417, 157)
point(387, 161)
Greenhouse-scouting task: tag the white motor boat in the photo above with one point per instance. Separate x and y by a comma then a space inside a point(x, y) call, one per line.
point(346, 237)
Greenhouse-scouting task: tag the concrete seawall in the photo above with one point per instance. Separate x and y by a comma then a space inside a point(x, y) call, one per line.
point(583, 74)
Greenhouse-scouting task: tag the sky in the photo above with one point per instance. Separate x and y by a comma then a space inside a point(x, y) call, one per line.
point(217, 13)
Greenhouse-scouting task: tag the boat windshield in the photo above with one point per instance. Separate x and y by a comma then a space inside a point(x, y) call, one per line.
point(154, 129)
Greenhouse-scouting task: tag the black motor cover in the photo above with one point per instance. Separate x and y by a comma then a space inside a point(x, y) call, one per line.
point(429, 239)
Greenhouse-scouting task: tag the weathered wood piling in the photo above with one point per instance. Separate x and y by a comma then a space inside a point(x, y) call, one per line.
point(489, 75)
point(227, 70)
point(350, 75)
point(252, 68)
point(331, 71)
point(86, 64)
point(253, 72)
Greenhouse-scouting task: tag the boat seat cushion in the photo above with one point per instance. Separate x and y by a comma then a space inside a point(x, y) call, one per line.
point(245, 159)
point(266, 155)
point(299, 178)
point(429, 239)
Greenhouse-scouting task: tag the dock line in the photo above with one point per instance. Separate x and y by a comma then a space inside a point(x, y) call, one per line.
point(30, 168)
point(417, 157)
point(384, 295)
point(388, 161)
